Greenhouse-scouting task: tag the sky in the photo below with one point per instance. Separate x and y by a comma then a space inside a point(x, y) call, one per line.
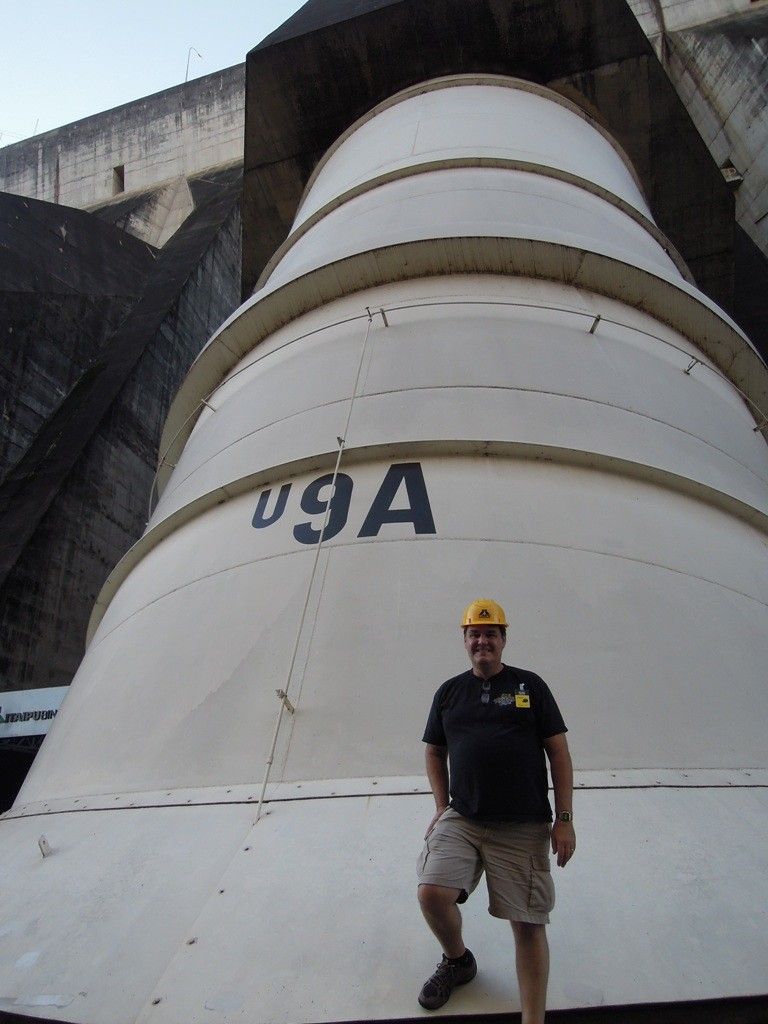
point(63, 60)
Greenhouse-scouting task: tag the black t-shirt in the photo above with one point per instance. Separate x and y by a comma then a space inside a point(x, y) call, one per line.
point(495, 750)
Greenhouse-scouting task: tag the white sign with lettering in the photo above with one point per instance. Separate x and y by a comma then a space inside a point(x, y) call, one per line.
point(29, 712)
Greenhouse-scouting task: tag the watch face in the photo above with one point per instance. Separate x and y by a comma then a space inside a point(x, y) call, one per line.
point(565, 816)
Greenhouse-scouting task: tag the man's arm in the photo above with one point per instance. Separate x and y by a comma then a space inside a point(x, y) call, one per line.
point(436, 759)
point(561, 768)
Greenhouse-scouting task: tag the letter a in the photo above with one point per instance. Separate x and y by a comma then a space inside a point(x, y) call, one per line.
point(418, 511)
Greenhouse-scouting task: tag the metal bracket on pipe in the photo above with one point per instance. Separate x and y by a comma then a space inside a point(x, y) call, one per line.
point(595, 322)
point(693, 362)
point(381, 312)
point(761, 425)
point(285, 702)
point(207, 405)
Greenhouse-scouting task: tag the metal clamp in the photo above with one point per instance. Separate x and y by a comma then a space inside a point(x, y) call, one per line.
point(285, 702)
point(381, 313)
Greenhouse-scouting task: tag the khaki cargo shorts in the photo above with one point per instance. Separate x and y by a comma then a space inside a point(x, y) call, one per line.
point(515, 858)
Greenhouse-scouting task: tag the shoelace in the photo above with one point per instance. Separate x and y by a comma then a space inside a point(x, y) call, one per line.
point(444, 973)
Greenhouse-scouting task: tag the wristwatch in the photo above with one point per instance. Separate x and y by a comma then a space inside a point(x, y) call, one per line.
point(564, 816)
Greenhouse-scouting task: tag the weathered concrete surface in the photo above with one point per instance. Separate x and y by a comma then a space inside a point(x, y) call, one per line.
point(716, 55)
point(66, 282)
point(657, 16)
point(77, 497)
point(99, 329)
point(153, 215)
point(178, 131)
point(720, 71)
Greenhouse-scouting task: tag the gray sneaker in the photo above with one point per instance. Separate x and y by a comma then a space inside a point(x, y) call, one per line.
point(436, 990)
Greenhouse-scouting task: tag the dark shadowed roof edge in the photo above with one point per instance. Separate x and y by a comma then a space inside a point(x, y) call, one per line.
point(318, 14)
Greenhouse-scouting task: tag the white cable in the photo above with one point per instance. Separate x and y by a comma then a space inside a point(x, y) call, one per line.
point(342, 443)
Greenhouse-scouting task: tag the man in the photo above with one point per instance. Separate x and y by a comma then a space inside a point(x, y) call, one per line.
point(493, 724)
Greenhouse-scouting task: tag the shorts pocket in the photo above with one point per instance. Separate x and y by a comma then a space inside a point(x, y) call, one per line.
point(541, 889)
point(421, 862)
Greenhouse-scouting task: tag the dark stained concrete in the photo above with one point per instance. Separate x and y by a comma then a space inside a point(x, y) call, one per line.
point(55, 249)
point(721, 67)
point(750, 294)
point(76, 496)
point(66, 283)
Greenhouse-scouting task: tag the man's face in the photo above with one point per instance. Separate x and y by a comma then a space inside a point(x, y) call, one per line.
point(484, 645)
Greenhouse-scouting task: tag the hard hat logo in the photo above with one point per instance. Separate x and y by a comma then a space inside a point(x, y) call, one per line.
point(484, 612)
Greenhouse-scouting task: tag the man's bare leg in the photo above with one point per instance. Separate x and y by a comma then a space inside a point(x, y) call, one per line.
point(438, 905)
point(532, 963)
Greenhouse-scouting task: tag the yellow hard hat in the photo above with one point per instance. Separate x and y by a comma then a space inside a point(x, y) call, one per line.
point(484, 612)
